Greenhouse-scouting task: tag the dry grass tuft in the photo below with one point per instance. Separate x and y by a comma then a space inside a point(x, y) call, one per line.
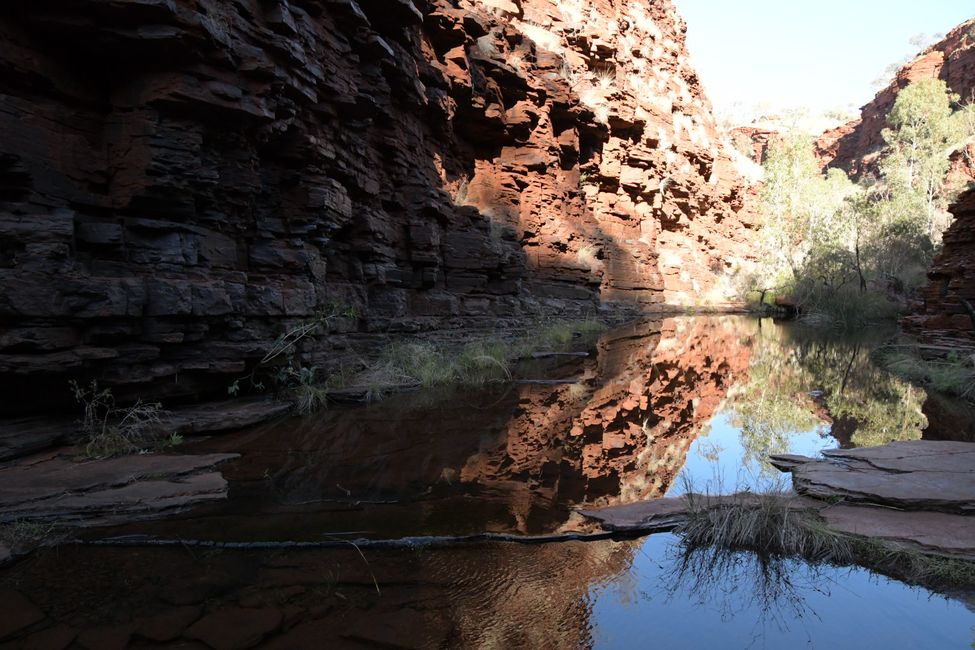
point(774, 527)
point(112, 431)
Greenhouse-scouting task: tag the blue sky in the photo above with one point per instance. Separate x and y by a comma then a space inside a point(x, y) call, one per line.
point(818, 54)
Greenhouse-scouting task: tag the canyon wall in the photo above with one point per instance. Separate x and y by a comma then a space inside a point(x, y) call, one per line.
point(943, 318)
point(182, 183)
point(854, 146)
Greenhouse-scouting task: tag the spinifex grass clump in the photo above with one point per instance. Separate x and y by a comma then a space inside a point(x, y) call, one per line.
point(766, 523)
point(427, 363)
point(111, 431)
point(777, 526)
point(953, 374)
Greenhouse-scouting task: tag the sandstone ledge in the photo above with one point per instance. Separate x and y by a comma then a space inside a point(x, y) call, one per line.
point(100, 492)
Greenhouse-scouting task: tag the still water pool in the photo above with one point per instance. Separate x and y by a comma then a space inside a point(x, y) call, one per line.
point(658, 406)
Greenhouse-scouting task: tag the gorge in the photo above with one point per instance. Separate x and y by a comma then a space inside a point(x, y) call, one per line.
point(359, 323)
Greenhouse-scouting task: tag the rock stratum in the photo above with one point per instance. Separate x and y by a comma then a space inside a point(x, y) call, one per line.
point(945, 317)
point(182, 183)
point(854, 146)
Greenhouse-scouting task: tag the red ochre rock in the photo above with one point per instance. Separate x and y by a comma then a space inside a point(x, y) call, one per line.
point(943, 320)
point(853, 147)
point(221, 174)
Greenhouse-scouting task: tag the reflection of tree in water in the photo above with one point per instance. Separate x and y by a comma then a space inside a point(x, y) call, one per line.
point(774, 587)
point(801, 381)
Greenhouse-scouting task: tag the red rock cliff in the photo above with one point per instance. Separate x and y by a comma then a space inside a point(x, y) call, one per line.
point(182, 181)
point(853, 147)
point(944, 318)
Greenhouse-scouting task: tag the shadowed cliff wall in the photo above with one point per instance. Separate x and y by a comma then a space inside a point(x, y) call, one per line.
point(183, 182)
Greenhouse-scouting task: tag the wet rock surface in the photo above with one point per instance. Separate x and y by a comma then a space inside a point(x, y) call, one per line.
point(102, 491)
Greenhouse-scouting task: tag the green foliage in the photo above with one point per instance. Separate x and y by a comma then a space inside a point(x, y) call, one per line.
point(281, 366)
point(919, 141)
point(951, 375)
point(475, 363)
point(848, 254)
point(875, 406)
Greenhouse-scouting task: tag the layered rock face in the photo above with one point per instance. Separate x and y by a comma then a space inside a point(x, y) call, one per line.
point(944, 318)
point(854, 147)
point(182, 183)
point(758, 139)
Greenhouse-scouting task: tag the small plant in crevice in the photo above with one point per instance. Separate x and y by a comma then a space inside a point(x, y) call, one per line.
point(459, 195)
point(605, 79)
point(109, 430)
point(588, 255)
point(281, 370)
point(487, 45)
point(310, 395)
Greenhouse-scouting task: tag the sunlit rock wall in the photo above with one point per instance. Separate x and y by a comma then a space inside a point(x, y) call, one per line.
point(182, 182)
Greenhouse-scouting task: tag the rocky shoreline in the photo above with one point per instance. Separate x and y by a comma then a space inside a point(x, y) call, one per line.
point(918, 495)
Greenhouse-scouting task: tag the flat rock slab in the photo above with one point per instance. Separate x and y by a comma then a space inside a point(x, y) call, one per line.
point(911, 475)
point(99, 491)
point(665, 514)
point(226, 415)
point(938, 533)
point(29, 435)
point(644, 516)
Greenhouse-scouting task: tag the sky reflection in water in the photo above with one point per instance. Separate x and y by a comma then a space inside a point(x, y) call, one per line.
point(750, 606)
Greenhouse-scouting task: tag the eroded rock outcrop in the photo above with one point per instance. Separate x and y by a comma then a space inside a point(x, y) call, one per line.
point(183, 182)
point(946, 318)
point(854, 146)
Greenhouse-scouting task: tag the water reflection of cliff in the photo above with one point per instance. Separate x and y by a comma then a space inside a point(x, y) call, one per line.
point(470, 596)
point(516, 459)
point(620, 433)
